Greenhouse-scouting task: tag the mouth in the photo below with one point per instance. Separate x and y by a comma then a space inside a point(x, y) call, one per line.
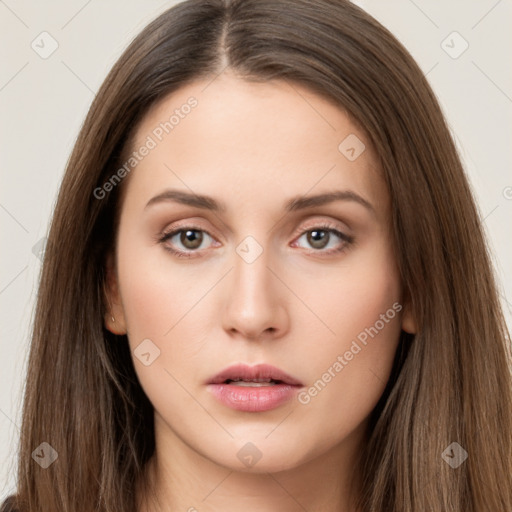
point(259, 375)
point(256, 383)
point(253, 388)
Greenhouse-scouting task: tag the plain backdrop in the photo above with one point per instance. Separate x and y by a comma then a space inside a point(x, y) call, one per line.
point(463, 48)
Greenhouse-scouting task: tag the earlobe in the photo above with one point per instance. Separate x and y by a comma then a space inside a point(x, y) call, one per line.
point(114, 315)
point(408, 321)
point(114, 324)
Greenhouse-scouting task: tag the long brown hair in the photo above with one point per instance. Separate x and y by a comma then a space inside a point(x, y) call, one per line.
point(451, 381)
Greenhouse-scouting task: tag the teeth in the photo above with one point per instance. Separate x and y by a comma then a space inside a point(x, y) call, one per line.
point(251, 380)
point(252, 384)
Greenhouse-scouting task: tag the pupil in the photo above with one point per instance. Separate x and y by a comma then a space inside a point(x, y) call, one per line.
point(191, 239)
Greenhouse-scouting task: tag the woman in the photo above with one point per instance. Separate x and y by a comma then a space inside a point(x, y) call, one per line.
point(266, 283)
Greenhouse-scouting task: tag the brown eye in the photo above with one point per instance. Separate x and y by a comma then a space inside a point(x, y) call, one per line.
point(318, 238)
point(191, 238)
point(324, 240)
point(186, 242)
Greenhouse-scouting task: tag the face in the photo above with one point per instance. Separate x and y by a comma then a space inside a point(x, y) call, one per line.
point(254, 244)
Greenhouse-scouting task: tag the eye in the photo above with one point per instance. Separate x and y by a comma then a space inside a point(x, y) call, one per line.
point(188, 240)
point(326, 237)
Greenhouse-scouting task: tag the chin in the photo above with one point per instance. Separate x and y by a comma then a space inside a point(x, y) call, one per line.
point(255, 454)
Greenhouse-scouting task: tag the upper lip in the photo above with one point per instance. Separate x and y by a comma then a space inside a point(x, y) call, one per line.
point(259, 371)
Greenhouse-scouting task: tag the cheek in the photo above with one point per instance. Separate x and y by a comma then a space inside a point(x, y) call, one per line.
point(166, 303)
point(353, 296)
point(163, 304)
point(348, 374)
point(356, 302)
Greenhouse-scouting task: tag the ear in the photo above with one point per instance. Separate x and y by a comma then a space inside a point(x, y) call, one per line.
point(408, 319)
point(114, 318)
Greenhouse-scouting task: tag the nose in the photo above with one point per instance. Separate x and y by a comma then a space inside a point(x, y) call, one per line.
point(255, 307)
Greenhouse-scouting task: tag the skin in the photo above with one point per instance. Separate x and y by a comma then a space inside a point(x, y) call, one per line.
point(253, 147)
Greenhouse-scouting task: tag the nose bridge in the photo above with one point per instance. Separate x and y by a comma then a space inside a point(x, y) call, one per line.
point(253, 300)
point(251, 276)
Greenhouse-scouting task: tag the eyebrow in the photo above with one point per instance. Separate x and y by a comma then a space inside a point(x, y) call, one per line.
point(298, 203)
point(187, 198)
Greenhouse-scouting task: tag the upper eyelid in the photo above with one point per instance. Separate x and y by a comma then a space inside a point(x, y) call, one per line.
point(315, 224)
point(331, 223)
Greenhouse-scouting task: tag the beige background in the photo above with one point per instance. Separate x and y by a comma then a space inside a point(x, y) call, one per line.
point(44, 101)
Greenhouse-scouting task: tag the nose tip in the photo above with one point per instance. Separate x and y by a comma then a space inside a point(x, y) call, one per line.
point(254, 306)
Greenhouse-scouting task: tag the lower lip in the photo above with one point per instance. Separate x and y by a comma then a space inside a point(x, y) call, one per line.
point(253, 399)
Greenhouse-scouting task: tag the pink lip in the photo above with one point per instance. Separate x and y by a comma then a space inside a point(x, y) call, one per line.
point(253, 399)
point(259, 371)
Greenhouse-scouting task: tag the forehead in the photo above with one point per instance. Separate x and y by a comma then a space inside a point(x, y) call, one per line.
point(265, 140)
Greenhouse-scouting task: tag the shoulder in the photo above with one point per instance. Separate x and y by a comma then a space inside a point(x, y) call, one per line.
point(9, 504)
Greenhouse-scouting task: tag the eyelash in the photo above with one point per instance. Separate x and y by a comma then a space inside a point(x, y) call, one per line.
point(329, 228)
